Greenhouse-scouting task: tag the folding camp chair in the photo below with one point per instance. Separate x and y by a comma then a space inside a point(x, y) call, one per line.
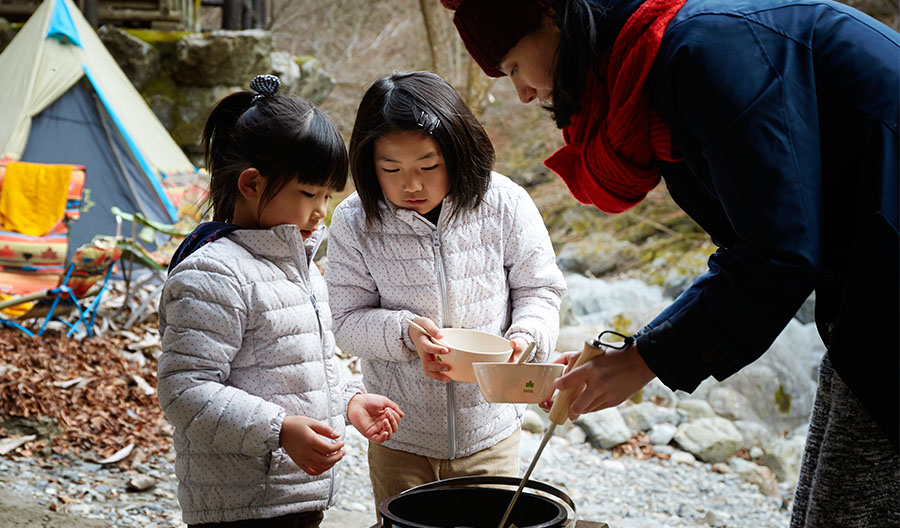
point(134, 251)
point(36, 281)
point(86, 278)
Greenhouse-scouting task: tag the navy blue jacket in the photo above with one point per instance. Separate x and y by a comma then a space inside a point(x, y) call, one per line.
point(786, 114)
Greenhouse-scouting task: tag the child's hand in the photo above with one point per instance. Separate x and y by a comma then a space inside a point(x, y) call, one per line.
point(375, 416)
point(518, 345)
point(427, 349)
point(307, 442)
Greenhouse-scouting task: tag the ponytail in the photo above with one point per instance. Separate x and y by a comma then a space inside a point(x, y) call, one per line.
point(220, 163)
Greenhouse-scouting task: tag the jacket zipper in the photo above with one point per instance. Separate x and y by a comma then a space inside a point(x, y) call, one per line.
point(445, 302)
point(315, 304)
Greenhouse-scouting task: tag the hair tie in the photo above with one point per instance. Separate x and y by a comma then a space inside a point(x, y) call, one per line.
point(264, 86)
point(427, 121)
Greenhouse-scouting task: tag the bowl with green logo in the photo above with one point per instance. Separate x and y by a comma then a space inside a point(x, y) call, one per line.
point(517, 383)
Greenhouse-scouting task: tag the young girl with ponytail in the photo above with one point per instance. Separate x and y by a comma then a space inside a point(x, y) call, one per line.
point(248, 375)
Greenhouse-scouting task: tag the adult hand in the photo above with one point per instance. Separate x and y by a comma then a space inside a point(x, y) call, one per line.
point(428, 349)
point(310, 444)
point(518, 345)
point(605, 381)
point(375, 416)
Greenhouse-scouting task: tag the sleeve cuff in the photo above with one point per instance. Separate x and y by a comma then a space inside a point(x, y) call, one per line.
point(274, 441)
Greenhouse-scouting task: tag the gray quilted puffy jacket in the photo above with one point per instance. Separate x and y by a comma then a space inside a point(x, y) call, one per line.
point(246, 335)
point(491, 269)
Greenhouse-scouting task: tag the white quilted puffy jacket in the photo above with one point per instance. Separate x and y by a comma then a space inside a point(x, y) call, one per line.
point(491, 269)
point(246, 335)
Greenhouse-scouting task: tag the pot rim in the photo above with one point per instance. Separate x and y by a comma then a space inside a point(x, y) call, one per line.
point(471, 481)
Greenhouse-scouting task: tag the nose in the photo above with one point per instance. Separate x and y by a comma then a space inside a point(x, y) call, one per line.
point(526, 93)
point(412, 184)
point(321, 209)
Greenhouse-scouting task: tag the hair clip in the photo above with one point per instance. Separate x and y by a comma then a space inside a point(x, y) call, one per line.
point(264, 86)
point(428, 122)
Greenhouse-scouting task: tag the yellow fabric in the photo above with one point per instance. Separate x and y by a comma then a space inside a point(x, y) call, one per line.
point(17, 310)
point(33, 197)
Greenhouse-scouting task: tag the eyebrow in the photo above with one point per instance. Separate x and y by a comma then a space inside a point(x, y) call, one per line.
point(431, 154)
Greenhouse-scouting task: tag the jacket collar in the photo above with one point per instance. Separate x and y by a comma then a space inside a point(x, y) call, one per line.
point(279, 242)
point(419, 223)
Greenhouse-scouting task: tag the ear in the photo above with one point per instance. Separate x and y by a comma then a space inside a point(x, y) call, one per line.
point(251, 184)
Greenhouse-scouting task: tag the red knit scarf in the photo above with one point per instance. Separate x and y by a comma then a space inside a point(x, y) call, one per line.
point(614, 143)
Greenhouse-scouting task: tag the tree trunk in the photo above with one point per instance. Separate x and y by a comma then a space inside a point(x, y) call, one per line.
point(231, 14)
point(449, 58)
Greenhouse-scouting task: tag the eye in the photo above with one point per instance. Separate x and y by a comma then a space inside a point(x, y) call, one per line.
point(430, 168)
point(390, 170)
point(514, 70)
point(307, 194)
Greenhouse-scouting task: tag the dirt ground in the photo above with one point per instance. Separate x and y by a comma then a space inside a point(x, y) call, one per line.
point(17, 511)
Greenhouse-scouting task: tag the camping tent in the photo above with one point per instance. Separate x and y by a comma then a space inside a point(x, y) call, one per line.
point(65, 100)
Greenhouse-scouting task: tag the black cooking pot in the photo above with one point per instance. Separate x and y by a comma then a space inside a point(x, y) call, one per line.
point(462, 502)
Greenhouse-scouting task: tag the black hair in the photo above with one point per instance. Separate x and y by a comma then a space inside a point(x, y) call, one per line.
point(281, 136)
point(421, 101)
point(587, 30)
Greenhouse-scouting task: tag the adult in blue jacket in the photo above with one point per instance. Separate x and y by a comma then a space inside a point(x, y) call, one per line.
point(774, 124)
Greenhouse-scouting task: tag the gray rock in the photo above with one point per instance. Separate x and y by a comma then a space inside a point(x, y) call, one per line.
point(140, 61)
point(644, 415)
point(605, 428)
point(222, 58)
point(532, 422)
point(783, 456)
point(682, 457)
point(754, 434)
point(710, 439)
point(315, 83)
point(695, 408)
point(753, 473)
point(731, 404)
point(661, 434)
point(596, 254)
point(717, 518)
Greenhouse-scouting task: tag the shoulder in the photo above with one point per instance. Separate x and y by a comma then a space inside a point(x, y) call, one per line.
point(348, 215)
point(502, 191)
point(505, 196)
point(222, 262)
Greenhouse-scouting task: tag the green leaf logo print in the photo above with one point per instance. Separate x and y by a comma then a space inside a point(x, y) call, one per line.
point(529, 386)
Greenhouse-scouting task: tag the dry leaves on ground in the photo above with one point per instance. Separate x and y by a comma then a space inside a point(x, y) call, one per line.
point(87, 388)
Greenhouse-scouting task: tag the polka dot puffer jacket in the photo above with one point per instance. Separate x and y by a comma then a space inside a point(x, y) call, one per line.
point(246, 334)
point(491, 269)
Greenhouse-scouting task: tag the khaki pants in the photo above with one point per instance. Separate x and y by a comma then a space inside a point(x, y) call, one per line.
point(392, 471)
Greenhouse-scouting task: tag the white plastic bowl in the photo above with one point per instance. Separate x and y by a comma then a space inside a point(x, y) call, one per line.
point(471, 346)
point(514, 383)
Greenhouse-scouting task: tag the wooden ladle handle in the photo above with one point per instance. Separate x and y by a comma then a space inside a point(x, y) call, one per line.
point(559, 412)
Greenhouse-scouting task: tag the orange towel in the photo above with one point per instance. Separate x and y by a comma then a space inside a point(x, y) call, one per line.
point(33, 197)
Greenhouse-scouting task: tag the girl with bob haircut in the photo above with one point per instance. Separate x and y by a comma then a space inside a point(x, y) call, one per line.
point(434, 236)
point(248, 375)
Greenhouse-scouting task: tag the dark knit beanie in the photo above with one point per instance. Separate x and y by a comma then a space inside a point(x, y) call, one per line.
point(490, 28)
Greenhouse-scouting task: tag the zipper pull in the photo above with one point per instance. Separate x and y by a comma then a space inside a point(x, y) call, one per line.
point(312, 299)
point(435, 239)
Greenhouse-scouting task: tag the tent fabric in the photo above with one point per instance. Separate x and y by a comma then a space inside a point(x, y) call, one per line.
point(43, 65)
point(75, 129)
point(61, 25)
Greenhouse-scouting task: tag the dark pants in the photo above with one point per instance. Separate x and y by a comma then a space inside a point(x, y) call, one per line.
point(295, 520)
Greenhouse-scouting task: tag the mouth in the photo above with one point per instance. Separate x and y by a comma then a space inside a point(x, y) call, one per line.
point(415, 203)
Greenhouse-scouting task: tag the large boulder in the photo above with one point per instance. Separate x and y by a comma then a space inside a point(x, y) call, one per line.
point(315, 83)
point(779, 388)
point(709, 439)
point(222, 58)
point(139, 60)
